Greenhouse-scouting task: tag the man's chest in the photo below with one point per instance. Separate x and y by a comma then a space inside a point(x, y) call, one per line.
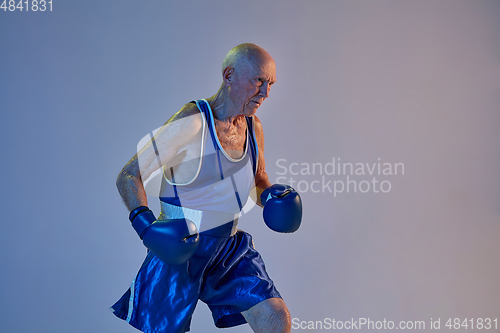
point(232, 140)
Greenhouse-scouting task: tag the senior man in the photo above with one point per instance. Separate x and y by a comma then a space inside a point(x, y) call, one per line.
point(211, 154)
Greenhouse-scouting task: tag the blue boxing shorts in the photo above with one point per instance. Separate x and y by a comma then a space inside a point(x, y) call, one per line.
point(226, 273)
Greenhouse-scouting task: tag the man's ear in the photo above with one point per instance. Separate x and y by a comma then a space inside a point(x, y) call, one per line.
point(228, 75)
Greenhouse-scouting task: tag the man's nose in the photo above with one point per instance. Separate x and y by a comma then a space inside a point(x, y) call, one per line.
point(264, 89)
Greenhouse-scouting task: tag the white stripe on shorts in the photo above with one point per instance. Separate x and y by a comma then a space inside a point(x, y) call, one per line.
point(131, 301)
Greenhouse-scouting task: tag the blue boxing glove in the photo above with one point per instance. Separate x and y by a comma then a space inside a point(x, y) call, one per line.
point(173, 241)
point(282, 208)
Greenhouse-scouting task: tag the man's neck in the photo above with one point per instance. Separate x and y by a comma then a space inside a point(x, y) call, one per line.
point(223, 110)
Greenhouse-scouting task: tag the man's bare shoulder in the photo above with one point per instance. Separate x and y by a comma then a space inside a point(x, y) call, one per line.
point(188, 116)
point(259, 131)
point(257, 121)
point(182, 129)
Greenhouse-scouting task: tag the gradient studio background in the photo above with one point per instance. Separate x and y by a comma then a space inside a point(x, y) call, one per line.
point(416, 83)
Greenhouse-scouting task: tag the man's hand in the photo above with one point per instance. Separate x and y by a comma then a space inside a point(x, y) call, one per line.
point(282, 208)
point(173, 241)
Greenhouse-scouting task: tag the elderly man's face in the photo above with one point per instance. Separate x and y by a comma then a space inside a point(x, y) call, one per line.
point(253, 84)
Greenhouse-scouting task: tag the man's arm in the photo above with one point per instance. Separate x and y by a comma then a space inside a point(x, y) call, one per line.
point(261, 178)
point(173, 241)
point(174, 136)
point(282, 204)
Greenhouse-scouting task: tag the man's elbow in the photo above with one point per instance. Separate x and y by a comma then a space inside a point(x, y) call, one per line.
point(130, 172)
point(120, 181)
point(124, 177)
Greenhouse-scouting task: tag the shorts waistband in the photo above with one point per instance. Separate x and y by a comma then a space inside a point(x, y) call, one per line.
point(207, 222)
point(225, 230)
